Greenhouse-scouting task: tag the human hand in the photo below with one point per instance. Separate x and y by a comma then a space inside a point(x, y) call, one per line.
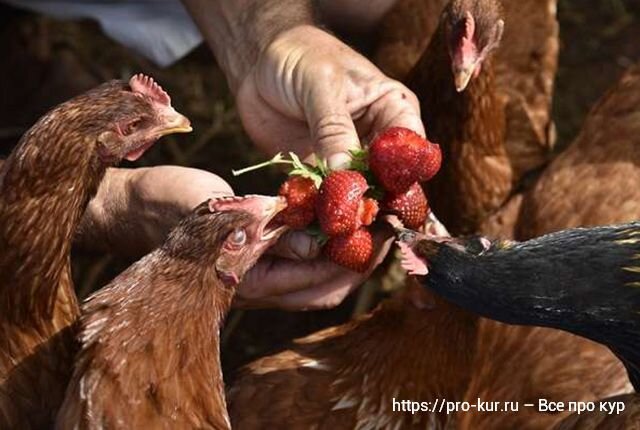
point(309, 92)
point(294, 276)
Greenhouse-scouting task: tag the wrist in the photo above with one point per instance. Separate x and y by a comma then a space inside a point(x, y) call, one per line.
point(239, 30)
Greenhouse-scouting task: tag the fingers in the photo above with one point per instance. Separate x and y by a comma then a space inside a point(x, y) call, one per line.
point(325, 296)
point(273, 277)
point(303, 285)
point(330, 124)
point(395, 106)
point(296, 245)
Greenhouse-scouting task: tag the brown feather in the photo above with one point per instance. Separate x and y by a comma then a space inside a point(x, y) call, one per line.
point(45, 185)
point(595, 180)
point(347, 376)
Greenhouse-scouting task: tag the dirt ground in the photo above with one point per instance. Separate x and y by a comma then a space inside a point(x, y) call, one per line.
point(46, 62)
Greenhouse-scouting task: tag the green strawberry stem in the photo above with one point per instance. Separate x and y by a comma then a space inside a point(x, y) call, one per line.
point(277, 159)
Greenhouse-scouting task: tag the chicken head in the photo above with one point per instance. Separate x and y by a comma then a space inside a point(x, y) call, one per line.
point(473, 29)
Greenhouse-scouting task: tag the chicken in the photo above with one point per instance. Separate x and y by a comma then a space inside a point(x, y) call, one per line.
point(524, 69)
point(580, 280)
point(595, 180)
point(150, 353)
point(455, 83)
point(418, 347)
point(45, 185)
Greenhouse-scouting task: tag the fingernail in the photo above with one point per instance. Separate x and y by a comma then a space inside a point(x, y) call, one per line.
point(338, 161)
point(303, 246)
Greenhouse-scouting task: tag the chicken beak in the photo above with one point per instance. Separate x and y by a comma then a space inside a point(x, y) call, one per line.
point(462, 76)
point(269, 233)
point(174, 122)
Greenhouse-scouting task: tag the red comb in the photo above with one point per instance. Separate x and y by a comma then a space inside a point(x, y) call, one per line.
point(144, 84)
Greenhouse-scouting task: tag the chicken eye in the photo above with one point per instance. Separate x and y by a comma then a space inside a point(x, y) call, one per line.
point(238, 237)
point(130, 127)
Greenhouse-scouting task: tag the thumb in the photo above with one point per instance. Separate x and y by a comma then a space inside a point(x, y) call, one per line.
point(296, 245)
point(332, 129)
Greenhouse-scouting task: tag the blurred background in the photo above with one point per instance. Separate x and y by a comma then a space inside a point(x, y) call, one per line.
point(45, 62)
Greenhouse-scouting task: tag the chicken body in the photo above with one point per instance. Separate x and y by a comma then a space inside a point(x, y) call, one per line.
point(150, 354)
point(595, 180)
point(45, 185)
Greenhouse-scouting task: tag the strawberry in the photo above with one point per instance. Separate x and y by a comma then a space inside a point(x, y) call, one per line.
point(340, 206)
point(301, 194)
point(398, 157)
point(352, 250)
point(411, 206)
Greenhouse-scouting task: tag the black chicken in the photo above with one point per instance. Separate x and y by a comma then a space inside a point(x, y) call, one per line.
point(585, 281)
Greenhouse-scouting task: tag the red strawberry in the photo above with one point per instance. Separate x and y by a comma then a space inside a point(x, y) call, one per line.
point(398, 157)
point(410, 206)
point(352, 250)
point(301, 194)
point(339, 202)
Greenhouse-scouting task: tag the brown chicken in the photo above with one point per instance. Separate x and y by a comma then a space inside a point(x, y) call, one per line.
point(45, 185)
point(454, 80)
point(150, 354)
point(514, 117)
point(595, 180)
point(347, 376)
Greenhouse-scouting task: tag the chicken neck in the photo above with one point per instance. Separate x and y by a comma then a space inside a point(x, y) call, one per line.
point(45, 186)
point(476, 175)
point(152, 337)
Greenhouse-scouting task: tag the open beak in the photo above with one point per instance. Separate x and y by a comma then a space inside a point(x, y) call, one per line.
point(433, 230)
point(407, 239)
point(269, 230)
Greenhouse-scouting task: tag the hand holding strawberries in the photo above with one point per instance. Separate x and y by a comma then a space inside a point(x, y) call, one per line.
point(310, 93)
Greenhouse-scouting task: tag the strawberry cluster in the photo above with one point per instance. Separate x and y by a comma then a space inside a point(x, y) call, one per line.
point(384, 178)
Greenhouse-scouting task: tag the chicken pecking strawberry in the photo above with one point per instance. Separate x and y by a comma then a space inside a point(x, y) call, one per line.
point(340, 207)
point(352, 250)
point(301, 194)
point(411, 206)
point(398, 157)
